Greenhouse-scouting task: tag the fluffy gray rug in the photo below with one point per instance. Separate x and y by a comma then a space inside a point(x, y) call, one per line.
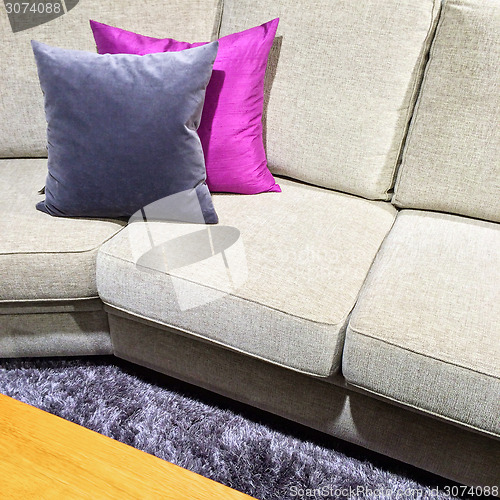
point(254, 452)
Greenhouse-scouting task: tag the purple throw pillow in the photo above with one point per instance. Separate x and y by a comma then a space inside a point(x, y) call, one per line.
point(121, 132)
point(231, 124)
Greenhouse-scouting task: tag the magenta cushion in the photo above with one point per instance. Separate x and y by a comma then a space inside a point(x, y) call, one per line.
point(231, 124)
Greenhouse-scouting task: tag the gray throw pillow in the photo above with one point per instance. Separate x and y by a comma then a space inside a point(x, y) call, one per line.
point(122, 132)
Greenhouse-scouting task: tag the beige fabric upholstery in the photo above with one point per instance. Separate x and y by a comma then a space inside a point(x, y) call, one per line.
point(340, 85)
point(433, 445)
point(295, 272)
point(426, 329)
point(84, 333)
point(42, 257)
point(452, 158)
point(22, 123)
point(45, 306)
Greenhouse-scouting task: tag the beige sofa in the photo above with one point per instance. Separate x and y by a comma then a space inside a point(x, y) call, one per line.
point(364, 299)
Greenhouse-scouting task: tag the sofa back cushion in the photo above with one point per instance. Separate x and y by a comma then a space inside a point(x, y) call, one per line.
point(22, 124)
point(340, 85)
point(451, 161)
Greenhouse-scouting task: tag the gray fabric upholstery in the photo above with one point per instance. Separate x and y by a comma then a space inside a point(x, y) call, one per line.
point(282, 292)
point(341, 84)
point(45, 306)
point(23, 127)
point(339, 94)
point(43, 257)
point(452, 158)
point(54, 334)
point(430, 444)
point(425, 331)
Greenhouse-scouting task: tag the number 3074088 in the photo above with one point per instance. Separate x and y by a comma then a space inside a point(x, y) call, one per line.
point(472, 491)
point(34, 8)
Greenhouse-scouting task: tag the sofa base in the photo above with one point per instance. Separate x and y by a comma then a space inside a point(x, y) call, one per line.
point(424, 442)
point(62, 333)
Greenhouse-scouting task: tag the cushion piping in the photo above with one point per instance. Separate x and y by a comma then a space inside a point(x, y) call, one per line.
point(110, 309)
point(92, 249)
point(41, 301)
point(337, 324)
point(414, 117)
point(415, 93)
point(425, 410)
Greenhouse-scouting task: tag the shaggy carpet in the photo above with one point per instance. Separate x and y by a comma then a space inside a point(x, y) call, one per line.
point(252, 451)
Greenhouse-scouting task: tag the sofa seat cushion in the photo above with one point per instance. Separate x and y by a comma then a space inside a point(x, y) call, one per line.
point(44, 258)
point(426, 329)
point(280, 279)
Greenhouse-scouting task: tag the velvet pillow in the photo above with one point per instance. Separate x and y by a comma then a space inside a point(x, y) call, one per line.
point(121, 132)
point(231, 126)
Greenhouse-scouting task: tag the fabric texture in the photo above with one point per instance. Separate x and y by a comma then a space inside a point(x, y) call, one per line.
point(54, 334)
point(270, 251)
point(391, 430)
point(452, 158)
point(122, 131)
point(425, 330)
point(341, 82)
point(231, 125)
point(44, 258)
point(23, 130)
point(51, 306)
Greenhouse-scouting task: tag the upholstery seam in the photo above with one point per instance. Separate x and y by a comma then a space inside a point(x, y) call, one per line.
point(41, 301)
point(416, 110)
point(337, 325)
point(218, 20)
point(417, 86)
point(47, 313)
point(208, 340)
point(10, 158)
point(89, 250)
